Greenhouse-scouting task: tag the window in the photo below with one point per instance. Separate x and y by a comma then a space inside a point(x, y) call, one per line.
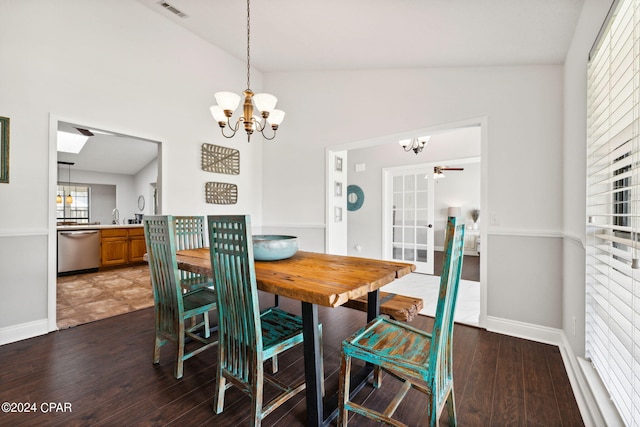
point(78, 209)
point(612, 341)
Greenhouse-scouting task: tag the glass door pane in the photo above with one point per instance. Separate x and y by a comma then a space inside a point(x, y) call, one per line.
point(412, 218)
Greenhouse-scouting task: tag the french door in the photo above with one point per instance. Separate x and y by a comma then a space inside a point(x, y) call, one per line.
point(408, 219)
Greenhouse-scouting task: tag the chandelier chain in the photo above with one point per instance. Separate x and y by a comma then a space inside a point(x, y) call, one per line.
point(248, 44)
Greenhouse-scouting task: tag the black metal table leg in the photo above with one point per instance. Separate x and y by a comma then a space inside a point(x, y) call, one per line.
point(373, 305)
point(312, 371)
point(316, 407)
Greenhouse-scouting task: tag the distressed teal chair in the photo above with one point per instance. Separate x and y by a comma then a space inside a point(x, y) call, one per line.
point(172, 305)
point(247, 337)
point(419, 359)
point(191, 234)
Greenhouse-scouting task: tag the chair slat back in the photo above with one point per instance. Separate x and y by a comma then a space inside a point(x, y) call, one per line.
point(159, 233)
point(190, 234)
point(239, 333)
point(440, 357)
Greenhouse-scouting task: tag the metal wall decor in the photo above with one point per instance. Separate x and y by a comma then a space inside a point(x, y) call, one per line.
point(221, 193)
point(219, 159)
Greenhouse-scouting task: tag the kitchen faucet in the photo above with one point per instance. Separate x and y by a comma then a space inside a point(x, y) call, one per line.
point(116, 216)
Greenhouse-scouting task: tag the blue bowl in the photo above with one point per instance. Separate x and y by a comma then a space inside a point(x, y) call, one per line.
point(271, 247)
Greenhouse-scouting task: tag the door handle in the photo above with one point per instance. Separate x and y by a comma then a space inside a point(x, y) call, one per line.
point(77, 233)
point(430, 225)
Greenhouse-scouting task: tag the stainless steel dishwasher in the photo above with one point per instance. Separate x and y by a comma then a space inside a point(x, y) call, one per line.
point(78, 250)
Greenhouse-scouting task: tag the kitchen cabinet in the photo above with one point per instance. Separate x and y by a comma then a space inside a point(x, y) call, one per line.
point(137, 246)
point(122, 246)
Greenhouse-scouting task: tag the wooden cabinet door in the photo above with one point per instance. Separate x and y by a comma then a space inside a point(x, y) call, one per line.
point(122, 246)
point(114, 251)
point(137, 249)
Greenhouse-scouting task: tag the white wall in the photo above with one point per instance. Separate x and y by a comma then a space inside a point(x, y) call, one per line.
point(102, 202)
point(574, 171)
point(126, 198)
point(460, 189)
point(337, 216)
point(143, 187)
point(110, 65)
point(523, 111)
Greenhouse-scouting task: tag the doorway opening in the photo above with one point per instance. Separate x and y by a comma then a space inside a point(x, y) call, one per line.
point(130, 164)
point(417, 202)
point(367, 227)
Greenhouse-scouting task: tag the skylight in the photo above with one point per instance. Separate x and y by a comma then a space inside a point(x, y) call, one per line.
point(71, 142)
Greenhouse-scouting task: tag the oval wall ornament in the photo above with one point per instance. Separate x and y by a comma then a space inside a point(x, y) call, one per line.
point(355, 197)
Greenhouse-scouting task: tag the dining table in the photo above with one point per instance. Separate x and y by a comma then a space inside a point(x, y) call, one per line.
point(316, 279)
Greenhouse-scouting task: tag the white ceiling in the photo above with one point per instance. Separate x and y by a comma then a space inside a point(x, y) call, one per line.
point(290, 35)
point(299, 35)
point(108, 153)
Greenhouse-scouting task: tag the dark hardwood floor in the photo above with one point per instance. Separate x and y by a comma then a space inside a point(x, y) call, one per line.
point(103, 372)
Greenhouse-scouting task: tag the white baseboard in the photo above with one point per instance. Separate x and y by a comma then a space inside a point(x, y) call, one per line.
point(527, 331)
point(584, 396)
point(23, 331)
point(587, 402)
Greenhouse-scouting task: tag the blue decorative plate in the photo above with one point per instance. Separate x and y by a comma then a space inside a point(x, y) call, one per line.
point(355, 197)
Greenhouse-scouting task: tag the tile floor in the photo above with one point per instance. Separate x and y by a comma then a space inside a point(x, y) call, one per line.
point(88, 297)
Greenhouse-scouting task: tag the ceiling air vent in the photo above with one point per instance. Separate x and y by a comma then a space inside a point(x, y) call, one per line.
point(172, 9)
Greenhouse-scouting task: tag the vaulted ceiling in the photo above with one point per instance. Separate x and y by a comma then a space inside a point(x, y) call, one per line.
point(290, 35)
point(299, 35)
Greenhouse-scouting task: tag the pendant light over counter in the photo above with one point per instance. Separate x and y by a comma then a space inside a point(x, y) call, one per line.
point(69, 199)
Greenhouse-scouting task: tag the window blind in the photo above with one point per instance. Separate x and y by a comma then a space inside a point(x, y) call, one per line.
point(612, 341)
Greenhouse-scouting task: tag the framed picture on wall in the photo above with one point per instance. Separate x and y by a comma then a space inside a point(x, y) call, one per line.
point(338, 214)
point(4, 149)
point(338, 164)
point(338, 189)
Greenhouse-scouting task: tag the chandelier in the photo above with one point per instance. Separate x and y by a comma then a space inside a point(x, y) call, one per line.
point(264, 103)
point(414, 144)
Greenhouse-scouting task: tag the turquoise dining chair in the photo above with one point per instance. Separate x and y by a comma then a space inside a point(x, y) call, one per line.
point(173, 306)
point(418, 359)
point(191, 234)
point(247, 337)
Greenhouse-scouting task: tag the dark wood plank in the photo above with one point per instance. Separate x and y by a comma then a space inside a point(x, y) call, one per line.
point(541, 405)
point(475, 398)
point(508, 406)
point(565, 399)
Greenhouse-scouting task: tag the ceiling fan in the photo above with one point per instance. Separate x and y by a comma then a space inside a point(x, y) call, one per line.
point(437, 171)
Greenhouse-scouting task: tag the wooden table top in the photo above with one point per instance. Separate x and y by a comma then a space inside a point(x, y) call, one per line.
point(328, 280)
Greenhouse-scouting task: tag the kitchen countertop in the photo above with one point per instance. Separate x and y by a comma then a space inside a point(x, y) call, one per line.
point(96, 226)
